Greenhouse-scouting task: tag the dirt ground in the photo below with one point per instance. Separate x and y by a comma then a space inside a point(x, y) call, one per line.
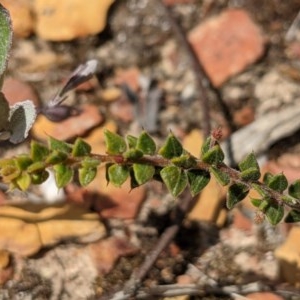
point(137, 35)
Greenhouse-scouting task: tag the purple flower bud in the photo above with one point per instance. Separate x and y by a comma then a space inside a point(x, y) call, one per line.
point(59, 113)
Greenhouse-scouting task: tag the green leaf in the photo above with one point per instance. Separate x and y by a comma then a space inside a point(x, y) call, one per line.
point(198, 179)
point(117, 174)
point(260, 190)
point(171, 148)
point(58, 145)
point(23, 181)
point(293, 216)
point(63, 175)
point(4, 112)
point(256, 202)
point(132, 141)
point(39, 177)
point(133, 154)
point(56, 157)
point(221, 177)
point(23, 161)
point(251, 174)
point(274, 213)
point(294, 189)
point(38, 152)
point(81, 148)
point(175, 179)
point(146, 144)
point(205, 146)
point(86, 175)
point(249, 162)
point(6, 32)
point(185, 161)
point(36, 167)
point(143, 173)
point(267, 178)
point(214, 155)
point(115, 144)
point(236, 193)
point(278, 183)
point(90, 162)
point(9, 170)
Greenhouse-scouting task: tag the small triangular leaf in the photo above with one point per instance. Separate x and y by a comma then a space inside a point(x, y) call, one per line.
point(86, 175)
point(132, 141)
point(146, 144)
point(236, 193)
point(249, 162)
point(58, 145)
point(23, 181)
point(294, 189)
point(56, 157)
point(198, 179)
point(278, 183)
point(292, 217)
point(256, 202)
point(117, 174)
point(143, 173)
point(81, 148)
point(274, 213)
point(185, 161)
point(221, 177)
point(36, 167)
point(258, 187)
point(39, 177)
point(90, 162)
point(251, 174)
point(214, 155)
point(23, 161)
point(171, 148)
point(38, 152)
point(175, 179)
point(133, 154)
point(63, 175)
point(115, 144)
point(205, 146)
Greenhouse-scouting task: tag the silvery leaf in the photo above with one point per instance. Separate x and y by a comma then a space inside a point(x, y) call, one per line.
point(21, 119)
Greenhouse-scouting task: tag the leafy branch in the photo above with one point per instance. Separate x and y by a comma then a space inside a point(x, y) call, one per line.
point(140, 160)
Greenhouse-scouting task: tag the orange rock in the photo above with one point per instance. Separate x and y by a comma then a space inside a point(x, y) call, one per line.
point(209, 203)
point(122, 110)
point(19, 237)
point(16, 90)
point(69, 19)
point(111, 94)
point(114, 202)
point(193, 142)
point(263, 296)
point(26, 231)
point(129, 76)
point(4, 259)
point(21, 14)
point(244, 116)
point(106, 252)
point(88, 118)
point(288, 255)
point(227, 44)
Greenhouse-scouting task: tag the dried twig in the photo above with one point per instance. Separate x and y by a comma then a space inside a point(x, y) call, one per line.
point(173, 290)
